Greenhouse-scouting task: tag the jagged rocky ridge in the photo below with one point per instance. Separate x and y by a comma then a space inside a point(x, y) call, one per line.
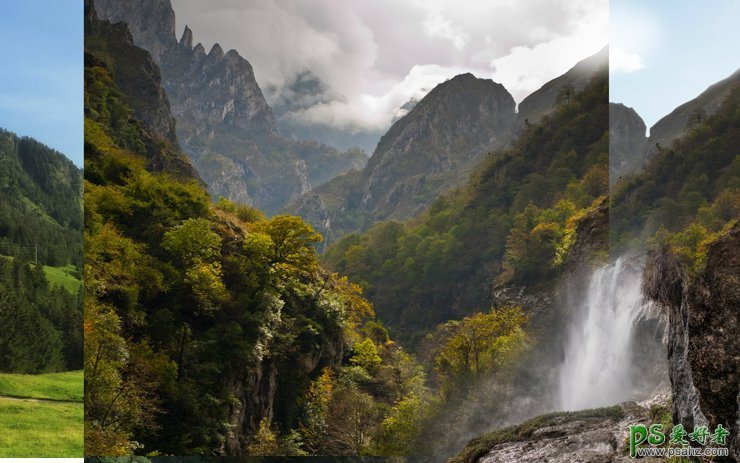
point(434, 148)
point(224, 123)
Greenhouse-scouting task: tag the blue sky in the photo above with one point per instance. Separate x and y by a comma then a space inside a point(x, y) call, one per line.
point(664, 53)
point(41, 77)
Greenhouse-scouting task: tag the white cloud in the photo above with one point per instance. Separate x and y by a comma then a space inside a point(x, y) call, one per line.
point(435, 25)
point(622, 61)
point(377, 54)
point(638, 34)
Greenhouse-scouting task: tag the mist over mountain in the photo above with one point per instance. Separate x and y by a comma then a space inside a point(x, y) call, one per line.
point(304, 92)
point(435, 147)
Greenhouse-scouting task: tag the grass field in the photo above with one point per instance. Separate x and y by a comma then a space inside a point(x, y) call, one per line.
point(56, 386)
point(60, 276)
point(64, 277)
point(41, 428)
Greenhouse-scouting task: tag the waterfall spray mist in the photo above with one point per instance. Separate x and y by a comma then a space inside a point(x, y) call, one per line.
point(598, 368)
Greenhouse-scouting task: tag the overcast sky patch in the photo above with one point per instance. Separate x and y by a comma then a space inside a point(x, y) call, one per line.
point(375, 55)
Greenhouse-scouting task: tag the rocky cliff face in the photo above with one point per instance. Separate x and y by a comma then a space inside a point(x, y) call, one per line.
point(626, 141)
point(223, 120)
point(139, 80)
point(704, 349)
point(150, 22)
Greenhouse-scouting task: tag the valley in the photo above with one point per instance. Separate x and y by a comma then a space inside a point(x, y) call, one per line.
point(491, 268)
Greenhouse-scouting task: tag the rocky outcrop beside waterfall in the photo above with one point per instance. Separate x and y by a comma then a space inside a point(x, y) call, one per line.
point(703, 345)
point(597, 435)
point(587, 436)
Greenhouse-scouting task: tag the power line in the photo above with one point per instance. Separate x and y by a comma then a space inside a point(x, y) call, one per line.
point(16, 250)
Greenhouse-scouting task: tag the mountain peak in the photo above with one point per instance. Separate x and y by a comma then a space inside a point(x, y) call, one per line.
point(187, 38)
point(419, 146)
point(547, 98)
point(216, 52)
point(464, 76)
point(466, 84)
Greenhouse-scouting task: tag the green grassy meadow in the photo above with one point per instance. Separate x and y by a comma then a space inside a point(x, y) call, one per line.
point(34, 427)
point(60, 276)
point(64, 277)
point(66, 386)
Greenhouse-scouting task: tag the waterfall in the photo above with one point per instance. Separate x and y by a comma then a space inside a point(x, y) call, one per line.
point(598, 367)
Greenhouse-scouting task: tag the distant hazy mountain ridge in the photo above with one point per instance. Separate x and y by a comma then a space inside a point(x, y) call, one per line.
point(434, 148)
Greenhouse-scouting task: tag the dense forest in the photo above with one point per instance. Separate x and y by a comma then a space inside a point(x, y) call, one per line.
point(40, 202)
point(40, 258)
point(512, 224)
point(41, 322)
point(209, 329)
